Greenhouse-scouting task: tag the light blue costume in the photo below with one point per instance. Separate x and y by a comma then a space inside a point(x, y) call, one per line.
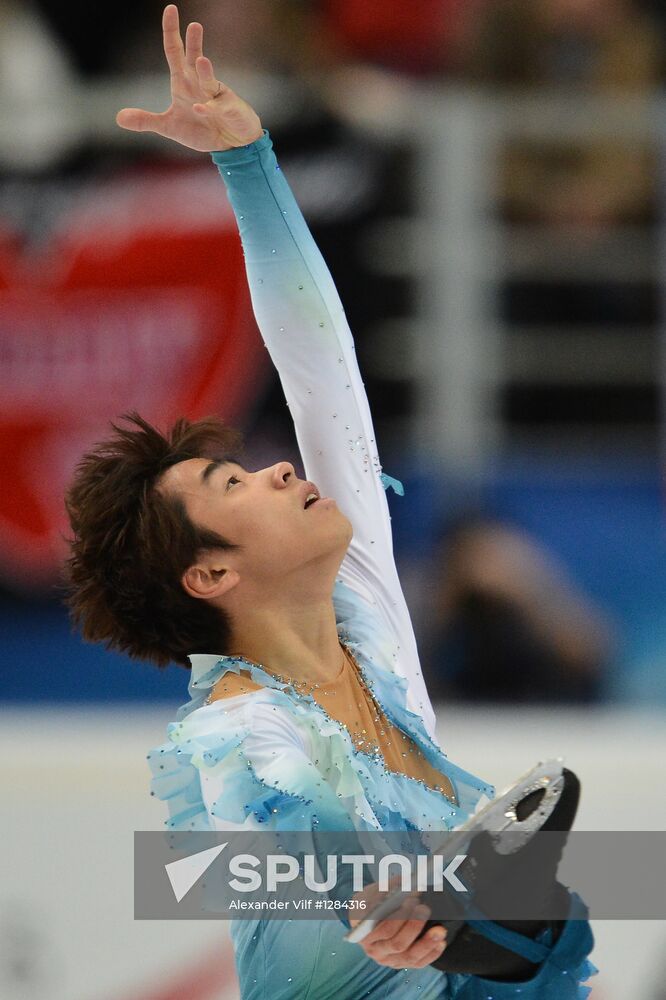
point(273, 759)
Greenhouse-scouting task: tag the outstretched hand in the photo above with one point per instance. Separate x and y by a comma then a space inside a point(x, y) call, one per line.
point(204, 113)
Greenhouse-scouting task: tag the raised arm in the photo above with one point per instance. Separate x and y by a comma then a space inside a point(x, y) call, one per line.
point(303, 325)
point(307, 335)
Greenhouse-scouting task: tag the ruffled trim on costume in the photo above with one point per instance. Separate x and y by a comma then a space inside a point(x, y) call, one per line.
point(355, 783)
point(210, 737)
point(177, 783)
point(584, 971)
point(359, 625)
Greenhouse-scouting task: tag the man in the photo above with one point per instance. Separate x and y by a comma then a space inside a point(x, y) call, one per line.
point(276, 588)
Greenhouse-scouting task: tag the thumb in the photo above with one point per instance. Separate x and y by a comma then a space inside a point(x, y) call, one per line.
point(138, 120)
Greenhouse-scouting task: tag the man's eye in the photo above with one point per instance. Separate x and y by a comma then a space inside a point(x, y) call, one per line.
point(230, 478)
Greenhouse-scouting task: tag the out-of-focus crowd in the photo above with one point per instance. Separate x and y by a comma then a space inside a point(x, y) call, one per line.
point(509, 623)
point(596, 43)
point(586, 46)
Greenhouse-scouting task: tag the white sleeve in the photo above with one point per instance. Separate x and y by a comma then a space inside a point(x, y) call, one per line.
point(304, 327)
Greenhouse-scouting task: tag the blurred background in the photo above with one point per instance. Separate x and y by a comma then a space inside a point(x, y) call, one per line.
point(486, 181)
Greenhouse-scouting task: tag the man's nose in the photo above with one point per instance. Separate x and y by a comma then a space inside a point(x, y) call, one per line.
point(282, 473)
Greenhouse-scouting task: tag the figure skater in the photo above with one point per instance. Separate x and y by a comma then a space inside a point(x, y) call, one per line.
point(307, 705)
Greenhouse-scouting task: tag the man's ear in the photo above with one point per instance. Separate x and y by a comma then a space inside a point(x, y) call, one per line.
point(208, 579)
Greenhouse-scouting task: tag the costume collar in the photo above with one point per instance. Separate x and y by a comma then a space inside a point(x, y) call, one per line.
point(202, 664)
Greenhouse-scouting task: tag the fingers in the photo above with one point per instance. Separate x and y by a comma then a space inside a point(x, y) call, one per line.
point(371, 896)
point(208, 82)
point(389, 926)
point(397, 931)
point(405, 949)
point(421, 953)
point(137, 120)
point(193, 44)
point(173, 43)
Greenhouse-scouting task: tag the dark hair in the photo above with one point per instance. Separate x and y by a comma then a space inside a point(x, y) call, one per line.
point(132, 543)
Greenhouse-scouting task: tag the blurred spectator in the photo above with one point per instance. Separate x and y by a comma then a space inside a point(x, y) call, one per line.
point(657, 11)
point(589, 47)
point(265, 36)
point(35, 76)
point(94, 35)
point(261, 35)
point(106, 39)
point(25, 37)
point(419, 38)
point(509, 624)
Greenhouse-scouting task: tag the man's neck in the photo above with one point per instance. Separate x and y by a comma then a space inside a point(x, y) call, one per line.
point(293, 640)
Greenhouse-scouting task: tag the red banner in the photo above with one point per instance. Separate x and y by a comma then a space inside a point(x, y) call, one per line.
point(138, 301)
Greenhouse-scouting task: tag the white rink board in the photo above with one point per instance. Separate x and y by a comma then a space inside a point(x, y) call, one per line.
point(75, 787)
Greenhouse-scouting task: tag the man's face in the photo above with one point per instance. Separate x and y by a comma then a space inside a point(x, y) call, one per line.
point(264, 512)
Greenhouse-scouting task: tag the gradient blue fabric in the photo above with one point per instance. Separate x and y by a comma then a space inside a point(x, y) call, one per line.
point(273, 759)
